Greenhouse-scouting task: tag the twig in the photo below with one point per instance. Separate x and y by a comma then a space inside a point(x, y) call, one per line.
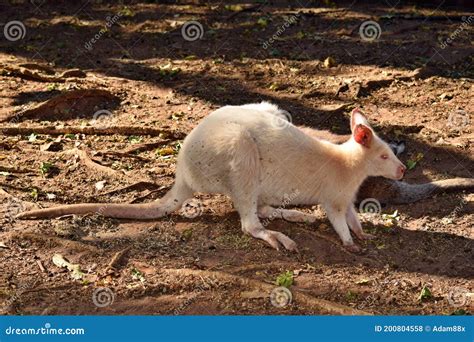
point(121, 154)
point(407, 16)
point(26, 71)
point(40, 265)
point(141, 198)
point(146, 146)
point(87, 161)
point(121, 130)
point(131, 187)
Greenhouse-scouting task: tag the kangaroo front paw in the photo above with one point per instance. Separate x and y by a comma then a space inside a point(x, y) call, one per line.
point(354, 248)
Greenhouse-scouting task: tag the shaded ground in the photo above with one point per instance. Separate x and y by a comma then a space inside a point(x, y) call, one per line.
point(159, 80)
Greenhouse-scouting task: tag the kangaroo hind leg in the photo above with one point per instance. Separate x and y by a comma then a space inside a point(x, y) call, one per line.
point(244, 184)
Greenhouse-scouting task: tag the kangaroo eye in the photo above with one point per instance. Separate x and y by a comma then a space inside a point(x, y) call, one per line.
point(384, 156)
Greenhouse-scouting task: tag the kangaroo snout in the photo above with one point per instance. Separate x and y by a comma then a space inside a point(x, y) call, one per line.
point(401, 171)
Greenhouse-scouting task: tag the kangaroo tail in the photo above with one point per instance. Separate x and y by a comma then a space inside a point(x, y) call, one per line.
point(395, 192)
point(145, 211)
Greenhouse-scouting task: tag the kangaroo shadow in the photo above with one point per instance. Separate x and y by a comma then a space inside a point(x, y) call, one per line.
point(402, 249)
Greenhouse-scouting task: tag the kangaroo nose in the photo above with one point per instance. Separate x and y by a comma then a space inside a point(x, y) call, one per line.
point(402, 169)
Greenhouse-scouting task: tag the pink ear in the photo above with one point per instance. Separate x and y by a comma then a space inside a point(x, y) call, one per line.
point(363, 135)
point(357, 118)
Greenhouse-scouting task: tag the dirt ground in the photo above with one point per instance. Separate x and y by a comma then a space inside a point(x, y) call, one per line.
point(155, 86)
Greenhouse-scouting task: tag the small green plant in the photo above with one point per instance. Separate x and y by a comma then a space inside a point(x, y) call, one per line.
point(52, 86)
point(425, 294)
point(137, 275)
point(169, 70)
point(45, 168)
point(127, 12)
point(411, 163)
point(34, 194)
point(285, 279)
point(351, 296)
point(133, 139)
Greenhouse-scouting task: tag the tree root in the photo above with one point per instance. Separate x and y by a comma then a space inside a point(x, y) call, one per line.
point(57, 241)
point(120, 130)
point(301, 298)
point(15, 170)
point(122, 155)
point(37, 72)
point(88, 162)
point(67, 104)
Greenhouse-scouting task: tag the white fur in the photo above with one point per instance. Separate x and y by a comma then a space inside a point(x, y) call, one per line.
point(242, 152)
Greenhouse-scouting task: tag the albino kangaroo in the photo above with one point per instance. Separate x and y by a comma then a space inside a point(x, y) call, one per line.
point(257, 158)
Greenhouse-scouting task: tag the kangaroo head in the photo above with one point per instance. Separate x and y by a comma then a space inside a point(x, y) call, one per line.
point(378, 156)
